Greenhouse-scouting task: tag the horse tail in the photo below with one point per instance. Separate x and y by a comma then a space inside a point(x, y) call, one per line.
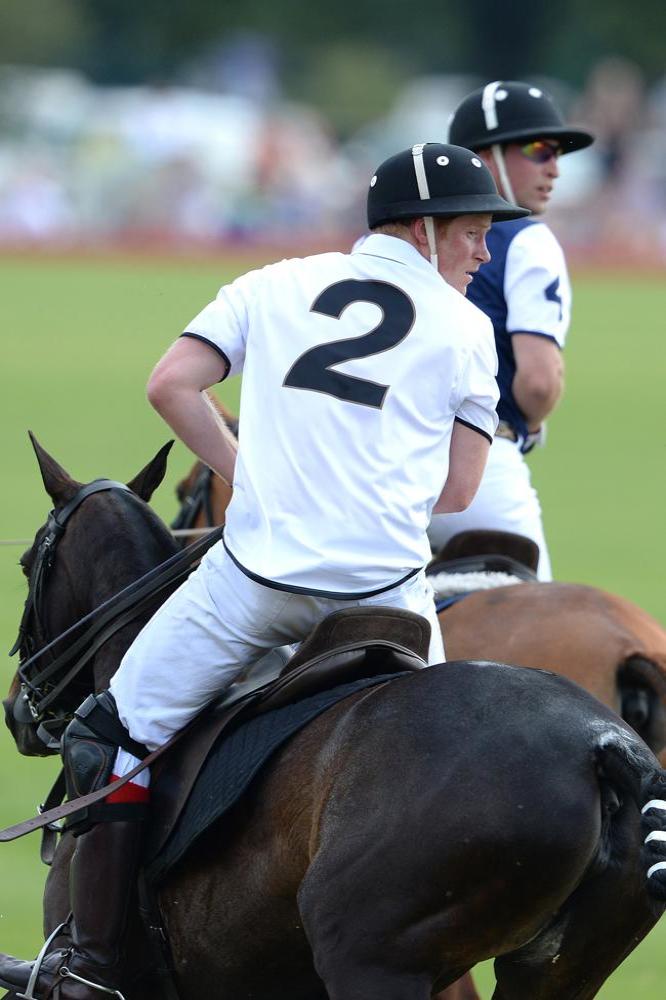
point(627, 765)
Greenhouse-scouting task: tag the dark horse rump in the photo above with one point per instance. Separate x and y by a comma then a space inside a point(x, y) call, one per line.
point(235, 760)
point(417, 829)
point(466, 811)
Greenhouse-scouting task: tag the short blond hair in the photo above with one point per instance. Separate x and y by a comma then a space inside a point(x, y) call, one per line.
point(392, 228)
point(399, 228)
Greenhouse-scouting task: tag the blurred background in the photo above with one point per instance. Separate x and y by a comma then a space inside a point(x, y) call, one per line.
point(150, 151)
point(235, 124)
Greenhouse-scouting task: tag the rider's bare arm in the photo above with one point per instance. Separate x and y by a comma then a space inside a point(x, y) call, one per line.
point(539, 379)
point(176, 389)
point(468, 454)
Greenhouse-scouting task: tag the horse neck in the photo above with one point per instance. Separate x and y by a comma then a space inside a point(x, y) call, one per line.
point(130, 540)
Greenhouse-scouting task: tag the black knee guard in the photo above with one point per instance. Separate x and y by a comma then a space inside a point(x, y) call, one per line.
point(89, 747)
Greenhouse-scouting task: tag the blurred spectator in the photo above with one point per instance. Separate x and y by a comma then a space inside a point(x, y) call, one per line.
point(234, 161)
point(625, 209)
point(34, 205)
point(246, 64)
point(613, 106)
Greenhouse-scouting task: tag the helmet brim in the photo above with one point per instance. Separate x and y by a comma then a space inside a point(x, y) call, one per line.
point(449, 207)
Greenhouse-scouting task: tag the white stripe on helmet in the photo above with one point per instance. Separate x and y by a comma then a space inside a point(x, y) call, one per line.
point(424, 194)
point(489, 108)
point(488, 104)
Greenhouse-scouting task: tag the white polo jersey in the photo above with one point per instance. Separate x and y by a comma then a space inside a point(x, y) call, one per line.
point(355, 367)
point(524, 288)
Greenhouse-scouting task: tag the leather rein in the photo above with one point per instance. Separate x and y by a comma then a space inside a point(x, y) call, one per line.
point(41, 690)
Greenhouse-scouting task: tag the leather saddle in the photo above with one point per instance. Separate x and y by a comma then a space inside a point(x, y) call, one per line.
point(480, 551)
point(348, 645)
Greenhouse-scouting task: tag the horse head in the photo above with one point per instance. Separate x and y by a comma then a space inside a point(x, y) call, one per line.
point(69, 574)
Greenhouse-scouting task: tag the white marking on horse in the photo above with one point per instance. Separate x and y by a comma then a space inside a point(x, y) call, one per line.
point(623, 740)
point(654, 804)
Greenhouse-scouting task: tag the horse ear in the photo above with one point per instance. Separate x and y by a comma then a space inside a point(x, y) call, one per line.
point(150, 477)
point(58, 484)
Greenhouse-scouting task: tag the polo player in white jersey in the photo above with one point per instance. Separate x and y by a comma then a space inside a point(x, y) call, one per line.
point(520, 134)
point(368, 402)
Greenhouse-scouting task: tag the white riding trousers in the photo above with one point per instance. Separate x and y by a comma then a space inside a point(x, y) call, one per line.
point(217, 624)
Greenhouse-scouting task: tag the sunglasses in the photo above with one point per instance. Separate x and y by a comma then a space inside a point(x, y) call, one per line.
point(540, 151)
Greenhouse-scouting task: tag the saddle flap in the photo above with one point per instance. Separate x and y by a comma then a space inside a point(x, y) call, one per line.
point(358, 643)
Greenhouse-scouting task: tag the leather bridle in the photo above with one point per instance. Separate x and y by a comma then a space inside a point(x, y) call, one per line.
point(197, 499)
point(41, 686)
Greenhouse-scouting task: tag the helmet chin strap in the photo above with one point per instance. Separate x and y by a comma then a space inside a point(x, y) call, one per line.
point(500, 163)
point(430, 234)
point(424, 194)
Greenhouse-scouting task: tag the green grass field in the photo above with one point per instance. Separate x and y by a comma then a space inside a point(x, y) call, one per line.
point(79, 339)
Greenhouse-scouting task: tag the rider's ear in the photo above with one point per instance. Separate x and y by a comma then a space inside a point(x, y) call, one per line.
point(58, 484)
point(146, 482)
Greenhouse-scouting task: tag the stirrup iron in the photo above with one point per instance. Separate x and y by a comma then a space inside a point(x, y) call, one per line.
point(67, 974)
point(37, 966)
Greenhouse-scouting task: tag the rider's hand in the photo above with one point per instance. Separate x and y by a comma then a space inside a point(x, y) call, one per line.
point(534, 439)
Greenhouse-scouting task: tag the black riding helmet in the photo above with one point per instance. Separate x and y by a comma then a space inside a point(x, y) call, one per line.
point(434, 179)
point(509, 111)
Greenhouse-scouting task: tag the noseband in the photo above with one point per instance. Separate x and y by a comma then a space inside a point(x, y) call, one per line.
point(40, 687)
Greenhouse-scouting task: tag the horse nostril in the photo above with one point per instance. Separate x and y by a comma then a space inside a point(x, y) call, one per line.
point(10, 721)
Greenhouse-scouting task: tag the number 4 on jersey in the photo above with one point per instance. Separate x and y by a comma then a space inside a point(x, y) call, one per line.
point(313, 370)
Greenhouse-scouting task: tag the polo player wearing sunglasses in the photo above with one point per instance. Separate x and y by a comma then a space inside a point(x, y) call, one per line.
point(519, 133)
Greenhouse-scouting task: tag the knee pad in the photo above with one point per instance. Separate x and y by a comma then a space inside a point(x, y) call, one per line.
point(89, 747)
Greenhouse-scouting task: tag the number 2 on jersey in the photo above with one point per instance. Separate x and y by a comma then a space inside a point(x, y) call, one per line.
point(313, 370)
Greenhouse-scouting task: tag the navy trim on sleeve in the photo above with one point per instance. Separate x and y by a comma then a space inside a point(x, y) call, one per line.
point(218, 350)
point(472, 427)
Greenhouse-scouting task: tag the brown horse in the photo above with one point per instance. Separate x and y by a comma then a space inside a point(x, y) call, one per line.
point(605, 643)
point(462, 812)
point(602, 641)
